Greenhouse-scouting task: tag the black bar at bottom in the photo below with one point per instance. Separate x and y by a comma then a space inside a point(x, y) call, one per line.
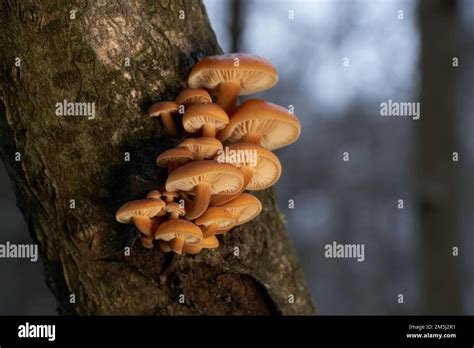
point(415, 330)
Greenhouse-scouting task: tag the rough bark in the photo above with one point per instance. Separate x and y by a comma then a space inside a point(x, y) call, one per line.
point(65, 158)
point(437, 173)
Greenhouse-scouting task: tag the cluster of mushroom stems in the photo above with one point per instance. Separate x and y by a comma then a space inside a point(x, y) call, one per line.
point(226, 151)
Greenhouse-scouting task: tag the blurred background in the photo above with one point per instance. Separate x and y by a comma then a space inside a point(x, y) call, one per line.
point(338, 60)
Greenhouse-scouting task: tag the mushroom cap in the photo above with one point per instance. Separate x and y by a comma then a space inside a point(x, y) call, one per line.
point(253, 74)
point(158, 108)
point(172, 229)
point(276, 125)
point(245, 206)
point(218, 216)
point(180, 154)
point(155, 194)
point(142, 207)
point(205, 145)
point(197, 115)
point(174, 207)
point(209, 242)
point(191, 249)
point(267, 166)
point(223, 178)
point(192, 96)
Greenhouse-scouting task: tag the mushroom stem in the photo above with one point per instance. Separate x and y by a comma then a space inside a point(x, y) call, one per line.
point(165, 246)
point(219, 200)
point(147, 242)
point(254, 138)
point(145, 225)
point(227, 95)
point(169, 123)
point(174, 216)
point(209, 130)
point(200, 202)
point(198, 156)
point(177, 245)
point(172, 165)
point(224, 231)
point(192, 249)
point(209, 230)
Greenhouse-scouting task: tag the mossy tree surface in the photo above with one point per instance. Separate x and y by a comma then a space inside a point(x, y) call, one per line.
point(78, 51)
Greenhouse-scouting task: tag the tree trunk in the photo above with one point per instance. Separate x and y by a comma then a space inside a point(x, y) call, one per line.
point(437, 173)
point(74, 174)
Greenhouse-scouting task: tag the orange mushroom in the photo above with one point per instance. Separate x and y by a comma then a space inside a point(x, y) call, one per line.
point(164, 109)
point(232, 75)
point(203, 179)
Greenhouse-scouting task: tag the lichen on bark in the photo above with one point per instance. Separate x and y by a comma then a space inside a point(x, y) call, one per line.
point(81, 56)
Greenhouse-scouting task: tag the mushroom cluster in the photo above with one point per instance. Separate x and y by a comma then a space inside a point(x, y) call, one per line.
point(227, 150)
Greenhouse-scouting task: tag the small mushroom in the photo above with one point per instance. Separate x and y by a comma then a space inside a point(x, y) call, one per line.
point(245, 208)
point(215, 219)
point(202, 148)
point(192, 96)
point(232, 75)
point(207, 243)
point(261, 169)
point(173, 158)
point(155, 194)
point(203, 179)
point(208, 117)
point(141, 212)
point(175, 210)
point(170, 196)
point(260, 122)
point(147, 241)
point(164, 109)
point(179, 232)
